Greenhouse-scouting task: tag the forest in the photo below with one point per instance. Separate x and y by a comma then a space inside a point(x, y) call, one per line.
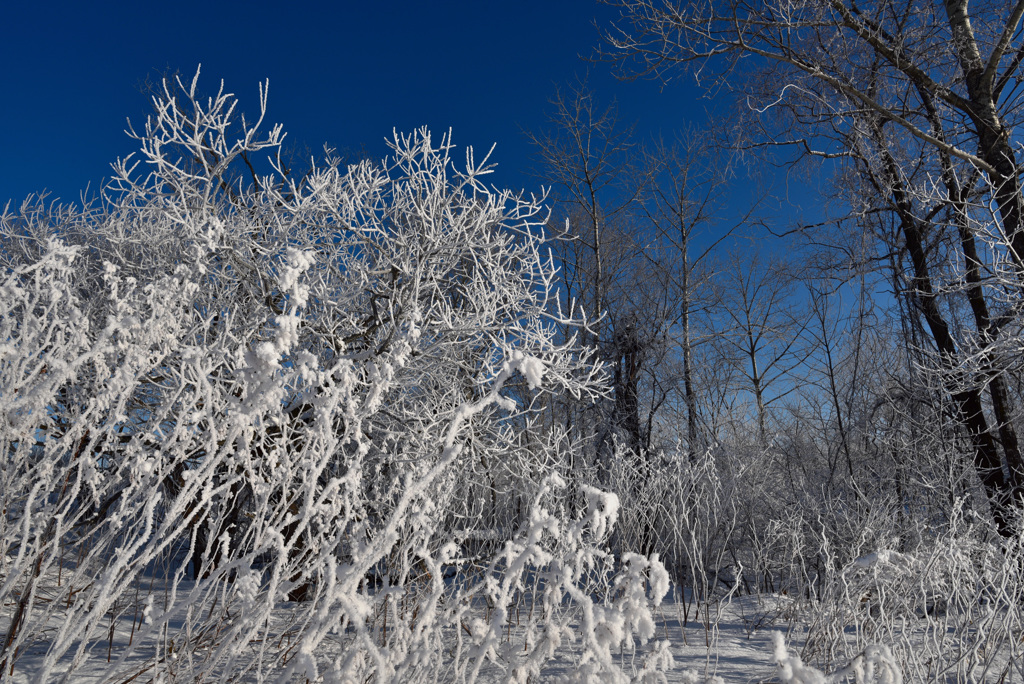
point(342, 419)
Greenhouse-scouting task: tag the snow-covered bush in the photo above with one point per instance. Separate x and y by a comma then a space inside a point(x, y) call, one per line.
point(874, 664)
point(947, 610)
point(571, 583)
point(680, 506)
point(257, 426)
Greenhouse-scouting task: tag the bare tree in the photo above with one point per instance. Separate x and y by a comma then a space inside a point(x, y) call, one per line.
point(594, 164)
point(684, 204)
point(589, 155)
point(763, 326)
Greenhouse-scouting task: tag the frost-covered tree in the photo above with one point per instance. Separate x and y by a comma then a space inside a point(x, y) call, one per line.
point(259, 426)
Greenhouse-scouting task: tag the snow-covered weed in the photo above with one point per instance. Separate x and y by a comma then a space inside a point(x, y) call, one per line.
point(874, 664)
point(949, 610)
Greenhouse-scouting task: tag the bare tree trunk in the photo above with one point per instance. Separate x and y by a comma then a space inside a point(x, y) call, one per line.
point(993, 137)
point(688, 391)
point(1002, 403)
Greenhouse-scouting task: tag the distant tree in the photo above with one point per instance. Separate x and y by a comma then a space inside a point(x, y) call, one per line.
point(763, 330)
point(683, 204)
point(593, 162)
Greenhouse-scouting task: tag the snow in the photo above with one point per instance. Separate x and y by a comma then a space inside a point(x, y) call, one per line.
point(533, 369)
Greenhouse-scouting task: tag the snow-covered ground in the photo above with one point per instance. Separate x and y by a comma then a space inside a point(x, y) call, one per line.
point(738, 644)
point(732, 650)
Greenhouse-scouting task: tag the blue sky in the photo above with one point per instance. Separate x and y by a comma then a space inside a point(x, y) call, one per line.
point(340, 73)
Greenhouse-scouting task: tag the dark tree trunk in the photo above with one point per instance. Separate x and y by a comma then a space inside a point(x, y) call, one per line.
point(994, 145)
point(965, 394)
point(627, 386)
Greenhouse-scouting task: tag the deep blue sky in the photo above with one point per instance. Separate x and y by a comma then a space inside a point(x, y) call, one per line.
point(341, 73)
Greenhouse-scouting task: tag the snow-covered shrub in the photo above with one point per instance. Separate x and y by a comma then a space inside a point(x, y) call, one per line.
point(874, 664)
point(571, 583)
point(681, 507)
point(948, 610)
point(247, 419)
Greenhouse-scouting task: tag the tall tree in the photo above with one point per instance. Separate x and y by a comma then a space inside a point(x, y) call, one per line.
point(592, 160)
point(683, 203)
point(843, 58)
point(763, 328)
